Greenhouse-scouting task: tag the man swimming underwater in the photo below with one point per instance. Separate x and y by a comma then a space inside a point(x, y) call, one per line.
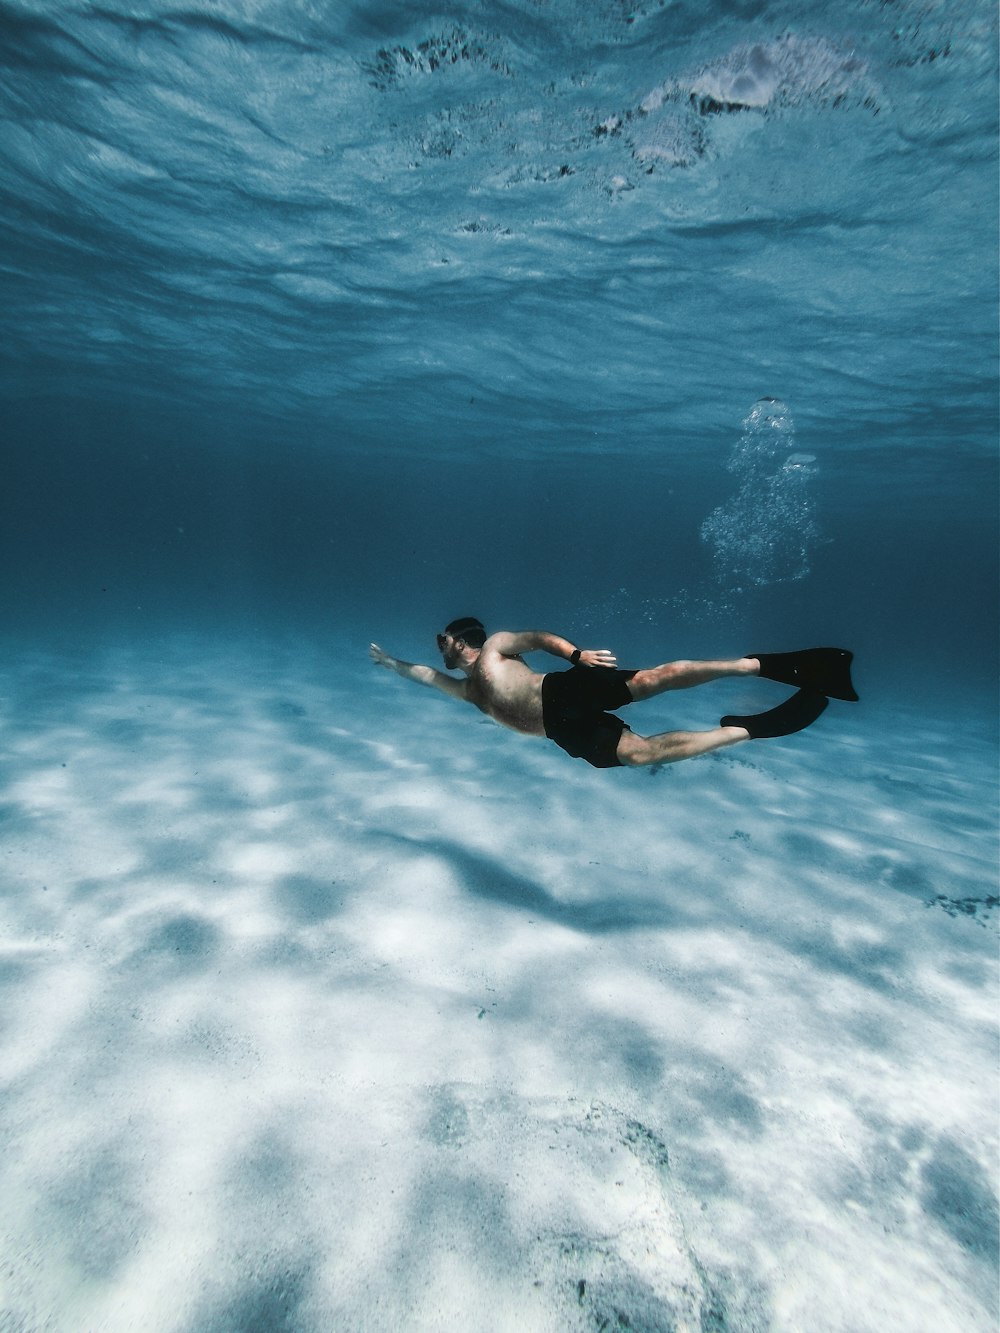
point(575, 708)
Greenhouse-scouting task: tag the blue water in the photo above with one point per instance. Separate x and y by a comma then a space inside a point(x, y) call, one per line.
point(374, 316)
point(669, 327)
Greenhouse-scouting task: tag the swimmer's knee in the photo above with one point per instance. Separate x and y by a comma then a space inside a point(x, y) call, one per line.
point(654, 680)
point(633, 751)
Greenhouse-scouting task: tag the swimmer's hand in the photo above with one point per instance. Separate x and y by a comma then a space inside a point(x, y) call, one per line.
point(597, 657)
point(379, 657)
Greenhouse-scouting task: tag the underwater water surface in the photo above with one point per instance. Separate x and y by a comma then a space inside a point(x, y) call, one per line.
point(668, 327)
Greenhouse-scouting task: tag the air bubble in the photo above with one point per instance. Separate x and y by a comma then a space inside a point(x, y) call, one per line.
point(765, 533)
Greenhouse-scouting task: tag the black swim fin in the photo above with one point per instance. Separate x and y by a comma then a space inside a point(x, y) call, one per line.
point(825, 670)
point(793, 715)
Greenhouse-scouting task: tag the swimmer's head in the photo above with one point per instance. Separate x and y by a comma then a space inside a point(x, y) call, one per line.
point(466, 632)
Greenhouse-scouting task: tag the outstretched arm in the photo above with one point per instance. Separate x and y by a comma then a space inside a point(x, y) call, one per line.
point(423, 675)
point(535, 641)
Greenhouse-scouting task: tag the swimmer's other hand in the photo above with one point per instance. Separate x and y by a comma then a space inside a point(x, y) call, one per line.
point(597, 657)
point(379, 657)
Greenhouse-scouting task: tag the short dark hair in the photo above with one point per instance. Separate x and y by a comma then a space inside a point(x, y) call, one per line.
point(470, 629)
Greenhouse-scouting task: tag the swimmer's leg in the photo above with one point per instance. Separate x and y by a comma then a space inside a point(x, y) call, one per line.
point(671, 746)
point(682, 675)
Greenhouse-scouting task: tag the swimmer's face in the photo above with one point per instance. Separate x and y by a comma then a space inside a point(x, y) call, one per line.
point(450, 649)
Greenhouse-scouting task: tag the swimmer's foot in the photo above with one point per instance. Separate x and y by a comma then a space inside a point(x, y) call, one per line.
point(793, 715)
point(824, 670)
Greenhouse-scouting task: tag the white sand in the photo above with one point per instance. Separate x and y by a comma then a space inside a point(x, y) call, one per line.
point(327, 1005)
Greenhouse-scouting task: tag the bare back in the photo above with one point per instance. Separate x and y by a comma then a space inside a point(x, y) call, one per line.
point(507, 690)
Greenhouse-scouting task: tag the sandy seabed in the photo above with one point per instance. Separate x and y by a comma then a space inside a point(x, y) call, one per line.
point(327, 1005)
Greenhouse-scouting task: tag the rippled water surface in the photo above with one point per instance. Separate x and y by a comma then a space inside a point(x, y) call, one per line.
point(503, 221)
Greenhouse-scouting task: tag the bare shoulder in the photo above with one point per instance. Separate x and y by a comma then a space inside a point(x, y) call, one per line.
point(501, 644)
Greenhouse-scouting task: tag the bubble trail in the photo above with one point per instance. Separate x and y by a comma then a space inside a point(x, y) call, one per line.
point(765, 533)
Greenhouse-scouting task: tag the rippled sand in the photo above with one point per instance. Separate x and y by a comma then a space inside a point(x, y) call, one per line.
point(324, 1004)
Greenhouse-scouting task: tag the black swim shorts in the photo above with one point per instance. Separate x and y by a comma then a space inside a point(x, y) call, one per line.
point(573, 712)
